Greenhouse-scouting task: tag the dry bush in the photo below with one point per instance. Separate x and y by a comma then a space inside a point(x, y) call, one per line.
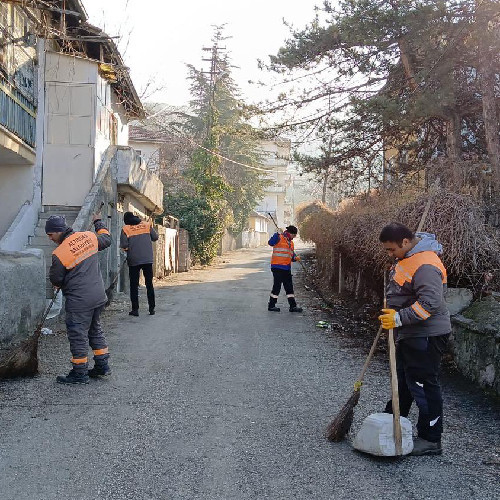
point(471, 247)
point(303, 210)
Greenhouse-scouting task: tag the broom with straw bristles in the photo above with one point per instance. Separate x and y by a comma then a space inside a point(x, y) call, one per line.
point(340, 425)
point(23, 361)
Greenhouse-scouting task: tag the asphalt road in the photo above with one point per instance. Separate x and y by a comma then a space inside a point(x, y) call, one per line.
point(215, 398)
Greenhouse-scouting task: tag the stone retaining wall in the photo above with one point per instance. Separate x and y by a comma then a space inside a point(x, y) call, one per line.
point(22, 294)
point(476, 343)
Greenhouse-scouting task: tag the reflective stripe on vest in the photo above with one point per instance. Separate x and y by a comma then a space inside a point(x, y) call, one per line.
point(76, 248)
point(282, 252)
point(141, 228)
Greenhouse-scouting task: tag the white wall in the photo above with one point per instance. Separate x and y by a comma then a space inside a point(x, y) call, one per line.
point(111, 121)
point(149, 153)
point(68, 157)
point(16, 188)
point(131, 204)
point(84, 118)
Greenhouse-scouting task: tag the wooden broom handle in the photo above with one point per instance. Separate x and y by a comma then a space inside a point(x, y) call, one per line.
point(396, 414)
point(369, 358)
point(398, 437)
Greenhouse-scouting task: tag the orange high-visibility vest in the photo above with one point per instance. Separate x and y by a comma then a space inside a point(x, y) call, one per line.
point(406, 268)
point(76, 248)
point(282, 252)
point(136, 230)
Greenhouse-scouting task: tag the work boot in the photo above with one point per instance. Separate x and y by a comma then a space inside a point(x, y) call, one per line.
point(272, 305)
point(423, 447)
point(100, 371)
point(152, 311)
point(293, 305)
point(133, 312)
point(73, 377)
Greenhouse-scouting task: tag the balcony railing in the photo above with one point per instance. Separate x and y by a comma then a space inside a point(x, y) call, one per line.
point(17, 113)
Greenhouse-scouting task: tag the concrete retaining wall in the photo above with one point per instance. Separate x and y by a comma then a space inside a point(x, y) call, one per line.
point(476, 343)
point(228, 243)
point(252, 239)
point(103, 197)
point(22, 294)
point(165, 258)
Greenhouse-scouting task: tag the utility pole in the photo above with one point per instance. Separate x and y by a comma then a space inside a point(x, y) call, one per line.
point(215, 72)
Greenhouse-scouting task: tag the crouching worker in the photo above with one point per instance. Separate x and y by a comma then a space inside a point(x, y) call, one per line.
point(136, 239)
point(418, 313)
point(281, 267)
point(75, 270)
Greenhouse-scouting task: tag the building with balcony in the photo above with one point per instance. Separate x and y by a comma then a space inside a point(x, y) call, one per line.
point(18, 111)
point(66, 99)
point(276, 159)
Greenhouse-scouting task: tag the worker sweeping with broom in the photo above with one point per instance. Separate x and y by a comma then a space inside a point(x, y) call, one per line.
point(281, 267)
point(417, 311)
point(75, 270)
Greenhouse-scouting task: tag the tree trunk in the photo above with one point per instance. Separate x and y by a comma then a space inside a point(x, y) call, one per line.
point(487, 60)
point(325, 186)
point(454, 144)
point(404, 50)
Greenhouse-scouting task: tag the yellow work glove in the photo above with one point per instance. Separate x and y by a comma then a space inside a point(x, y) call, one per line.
point(390, 319)
point(297, 258)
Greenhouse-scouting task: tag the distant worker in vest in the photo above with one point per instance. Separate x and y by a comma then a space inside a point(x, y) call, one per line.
point(417, 312)
point(281, 267)
point(136, 239)
point(75, 270)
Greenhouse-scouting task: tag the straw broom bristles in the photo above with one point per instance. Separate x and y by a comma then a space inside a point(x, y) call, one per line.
point(341, 424)
point(22, 361)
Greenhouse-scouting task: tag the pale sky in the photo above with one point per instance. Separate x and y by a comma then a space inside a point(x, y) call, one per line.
point(163, 36)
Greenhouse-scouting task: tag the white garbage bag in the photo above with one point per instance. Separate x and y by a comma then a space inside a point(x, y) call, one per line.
point(376, 436)
point(56, 306)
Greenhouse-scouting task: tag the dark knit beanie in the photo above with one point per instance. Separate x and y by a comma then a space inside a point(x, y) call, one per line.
point(130, 219)
point(292, 229)
point(56, 224)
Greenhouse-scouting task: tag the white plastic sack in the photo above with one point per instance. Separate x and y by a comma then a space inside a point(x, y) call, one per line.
point(56, 306)
point(376, 436)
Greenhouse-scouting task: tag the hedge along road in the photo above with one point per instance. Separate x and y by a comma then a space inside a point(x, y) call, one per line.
point(215, 398)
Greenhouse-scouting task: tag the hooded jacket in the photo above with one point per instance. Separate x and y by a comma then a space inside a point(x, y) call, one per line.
point(75, 268)
point(136, 238)
point(416, 288)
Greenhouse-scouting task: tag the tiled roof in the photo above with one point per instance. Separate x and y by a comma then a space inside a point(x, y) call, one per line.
point(141, 133)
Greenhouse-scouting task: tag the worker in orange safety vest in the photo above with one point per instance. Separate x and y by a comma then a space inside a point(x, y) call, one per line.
point(75, 270)
point(281, 267)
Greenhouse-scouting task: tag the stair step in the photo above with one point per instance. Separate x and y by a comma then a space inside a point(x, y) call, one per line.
point(40, 242)
point(59, 208)
point(67, 215)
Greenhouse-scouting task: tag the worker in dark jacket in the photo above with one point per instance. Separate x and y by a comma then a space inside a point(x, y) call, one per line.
point(136, 239)
point(281, 267)
point(416, 309)
point(75, 270)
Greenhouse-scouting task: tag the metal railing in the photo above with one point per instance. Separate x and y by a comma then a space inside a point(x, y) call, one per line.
point(17, 113)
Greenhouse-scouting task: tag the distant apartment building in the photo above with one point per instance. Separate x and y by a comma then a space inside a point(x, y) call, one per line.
point(278, 197)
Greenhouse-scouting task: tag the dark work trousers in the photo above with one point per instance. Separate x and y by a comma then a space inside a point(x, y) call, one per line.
point(84, 329)
point(282, 276)
point(418, 361)
point(133, 272)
